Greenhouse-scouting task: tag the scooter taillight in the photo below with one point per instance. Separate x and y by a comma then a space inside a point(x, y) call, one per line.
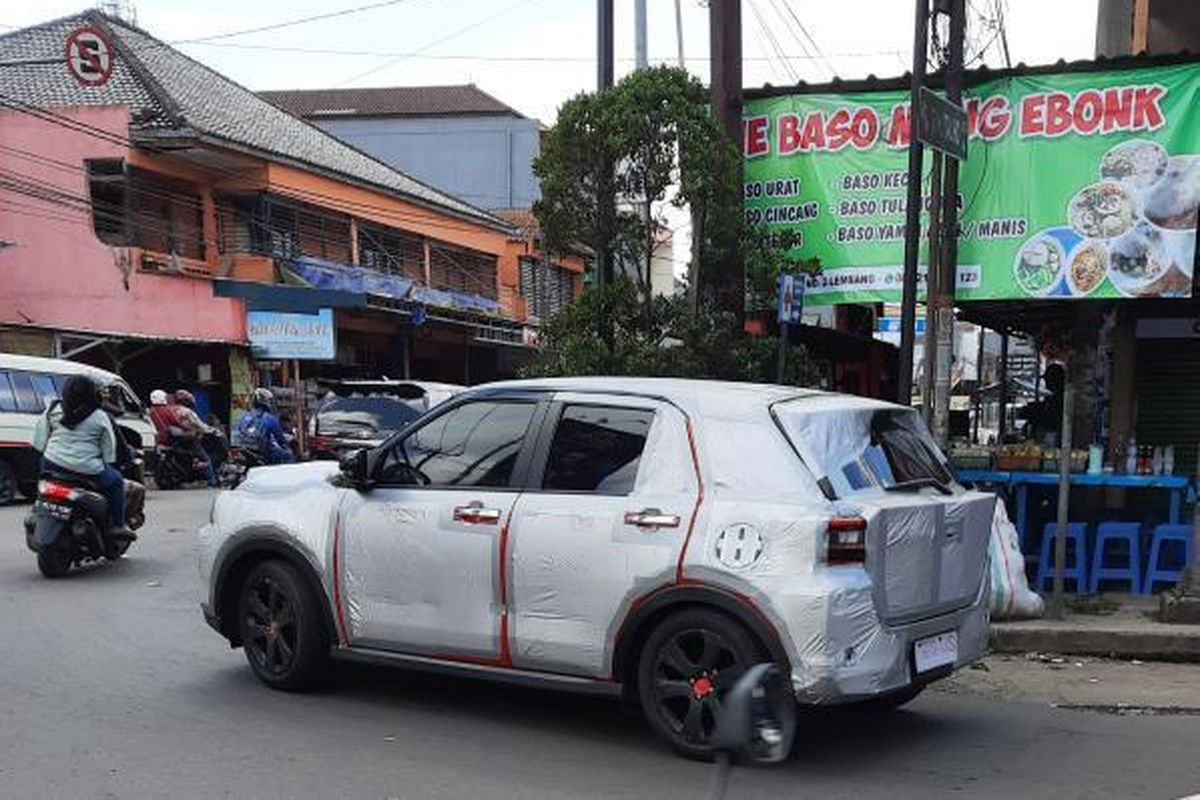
point(52, 490)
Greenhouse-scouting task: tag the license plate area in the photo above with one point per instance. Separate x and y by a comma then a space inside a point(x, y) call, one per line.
point(935, 653)
point(55, 510)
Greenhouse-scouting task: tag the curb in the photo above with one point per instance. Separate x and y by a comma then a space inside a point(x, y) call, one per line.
point(1148, 645)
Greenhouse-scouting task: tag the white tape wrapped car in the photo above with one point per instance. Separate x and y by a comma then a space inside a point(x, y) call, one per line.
point(644, 536)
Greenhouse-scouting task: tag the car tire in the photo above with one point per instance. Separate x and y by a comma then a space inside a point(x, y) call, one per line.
point(281, 627)
point(54, 563)
point(887, 703)
point(686, 665)
point(8, 483)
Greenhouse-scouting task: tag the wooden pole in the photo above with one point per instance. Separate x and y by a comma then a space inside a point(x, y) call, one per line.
point(1057, 608)
point(298, 389)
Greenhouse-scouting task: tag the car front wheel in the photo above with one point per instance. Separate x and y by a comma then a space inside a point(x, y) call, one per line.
point(281, 627)
point(688, 664)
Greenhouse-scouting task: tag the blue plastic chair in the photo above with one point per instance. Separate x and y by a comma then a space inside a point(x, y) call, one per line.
point(1131, 534)
point(1164, 536)
point(1075, 567)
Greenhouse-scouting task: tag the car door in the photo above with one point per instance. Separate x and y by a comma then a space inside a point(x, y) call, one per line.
point(611, 494)
point(421, 551)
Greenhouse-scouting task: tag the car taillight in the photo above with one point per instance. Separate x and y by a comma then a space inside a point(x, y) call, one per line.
point(846, 541)
point(320, 443)
point(57, 491)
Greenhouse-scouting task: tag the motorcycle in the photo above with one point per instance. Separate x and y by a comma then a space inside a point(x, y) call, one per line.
point(69, 522)
point(179, 464)
point(240, 461)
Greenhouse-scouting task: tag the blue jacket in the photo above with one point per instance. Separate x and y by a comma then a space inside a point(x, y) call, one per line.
point(259, 429)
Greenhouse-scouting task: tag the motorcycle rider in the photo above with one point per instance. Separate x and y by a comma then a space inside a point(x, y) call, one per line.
point(76, 437)
point(164, 415)
point(259, 430)
point(194, 430)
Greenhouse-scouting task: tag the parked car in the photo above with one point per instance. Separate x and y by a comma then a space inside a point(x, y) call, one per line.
point(360, 414)
point(27, 385)
point(646, 537)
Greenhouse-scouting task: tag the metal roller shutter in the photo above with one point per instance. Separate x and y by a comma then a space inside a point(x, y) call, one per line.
point(1168, 397)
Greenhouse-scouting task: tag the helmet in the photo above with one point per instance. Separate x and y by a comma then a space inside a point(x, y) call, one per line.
point(185, 398)
point(263, 397)
point(158, 398)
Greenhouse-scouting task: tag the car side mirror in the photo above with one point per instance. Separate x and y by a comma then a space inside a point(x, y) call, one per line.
point(356, 469)
point(758, 717)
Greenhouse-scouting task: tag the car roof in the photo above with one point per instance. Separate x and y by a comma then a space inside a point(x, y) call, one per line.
point(55, 365)
point(703, 397)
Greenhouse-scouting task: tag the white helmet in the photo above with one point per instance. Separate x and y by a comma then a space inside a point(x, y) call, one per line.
point(158, 398)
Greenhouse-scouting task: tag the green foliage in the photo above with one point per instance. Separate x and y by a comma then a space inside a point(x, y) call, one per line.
point(664, 340)
point(638, 139)
point(766, 256)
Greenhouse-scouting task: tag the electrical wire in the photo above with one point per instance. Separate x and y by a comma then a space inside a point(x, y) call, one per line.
point(441, 40)
point(770, 40)
point(812, 41)
point(290, 23)
point(531, 59)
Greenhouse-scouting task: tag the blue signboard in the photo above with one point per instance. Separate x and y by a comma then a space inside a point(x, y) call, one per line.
point(791, 298)
point(278, 335)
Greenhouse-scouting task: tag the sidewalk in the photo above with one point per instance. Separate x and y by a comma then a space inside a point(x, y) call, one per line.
point(1131, 631)
point(1082, 683)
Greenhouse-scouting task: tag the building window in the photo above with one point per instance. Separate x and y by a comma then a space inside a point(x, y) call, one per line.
point(457, 269)
point(392, 251)
point(134, 207)
point(272, 226)
point(545, 287)
point(106, 183)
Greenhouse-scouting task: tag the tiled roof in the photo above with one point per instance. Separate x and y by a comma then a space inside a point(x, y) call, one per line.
point(166, 89)
point(390, 101)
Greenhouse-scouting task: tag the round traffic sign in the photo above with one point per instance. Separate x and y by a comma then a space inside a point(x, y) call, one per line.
point(89, 56)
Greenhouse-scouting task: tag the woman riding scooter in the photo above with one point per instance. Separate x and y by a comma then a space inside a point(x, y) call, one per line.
point(76, 437)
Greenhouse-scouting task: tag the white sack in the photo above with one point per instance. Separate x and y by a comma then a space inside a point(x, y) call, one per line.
point(1011, 596)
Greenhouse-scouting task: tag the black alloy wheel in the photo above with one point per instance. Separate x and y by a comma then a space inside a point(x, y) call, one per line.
point(281, 627)
point(688, 664)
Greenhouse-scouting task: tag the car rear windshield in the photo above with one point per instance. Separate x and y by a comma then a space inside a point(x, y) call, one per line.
point(859, 449)
point(365, 414)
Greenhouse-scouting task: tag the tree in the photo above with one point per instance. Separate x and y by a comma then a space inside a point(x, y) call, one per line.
point(652, 138)
point(636, 141)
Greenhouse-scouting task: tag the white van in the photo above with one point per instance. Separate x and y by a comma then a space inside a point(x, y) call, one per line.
point(27, 385)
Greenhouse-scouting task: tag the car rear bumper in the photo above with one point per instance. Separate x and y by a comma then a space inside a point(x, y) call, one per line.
point(854, 656)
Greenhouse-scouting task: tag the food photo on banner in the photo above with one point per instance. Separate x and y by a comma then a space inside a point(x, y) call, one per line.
point(1077, 184)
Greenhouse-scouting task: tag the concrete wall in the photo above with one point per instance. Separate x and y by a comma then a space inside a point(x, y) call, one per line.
point(58, 274)
point(484, 160)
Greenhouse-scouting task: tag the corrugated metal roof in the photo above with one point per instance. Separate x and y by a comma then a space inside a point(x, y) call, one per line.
point(974, 77)
point(390, 101)
point(166, 89)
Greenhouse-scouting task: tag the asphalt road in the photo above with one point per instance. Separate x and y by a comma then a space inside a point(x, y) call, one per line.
point(111, 686)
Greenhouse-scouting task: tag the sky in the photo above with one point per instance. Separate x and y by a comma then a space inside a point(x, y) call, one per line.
point(535, 54)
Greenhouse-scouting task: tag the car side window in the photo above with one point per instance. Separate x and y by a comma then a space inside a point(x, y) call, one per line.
point(8, 400)
point(597, 449)
point(475, 444)
point(27, 397)
point(44, 386)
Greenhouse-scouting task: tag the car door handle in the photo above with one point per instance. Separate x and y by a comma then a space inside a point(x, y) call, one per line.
point(476, 514)
point(651, 518)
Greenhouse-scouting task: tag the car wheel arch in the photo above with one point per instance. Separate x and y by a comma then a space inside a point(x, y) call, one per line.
point(250, 551)
point(652, 609)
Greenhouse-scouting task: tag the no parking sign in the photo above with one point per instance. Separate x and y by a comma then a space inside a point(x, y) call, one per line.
point(89, 56)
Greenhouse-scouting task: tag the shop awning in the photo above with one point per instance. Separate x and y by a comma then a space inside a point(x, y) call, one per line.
point(284, 297)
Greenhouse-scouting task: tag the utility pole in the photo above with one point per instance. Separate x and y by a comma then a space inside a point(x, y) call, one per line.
point(934, 249)
point(679, 31)
point(641, 60)
point(912, 222)
point(725, 55)
point(604, 80)
point(947, 263)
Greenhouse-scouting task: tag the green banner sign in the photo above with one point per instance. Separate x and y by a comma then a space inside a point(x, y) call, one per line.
point(1082, 184)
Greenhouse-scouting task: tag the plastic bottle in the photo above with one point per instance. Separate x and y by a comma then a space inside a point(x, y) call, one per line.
point(1169, 460)
point(1131, 456)
point(1156, 461)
